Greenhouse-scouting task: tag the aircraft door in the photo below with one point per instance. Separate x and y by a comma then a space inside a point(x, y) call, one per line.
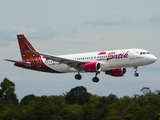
point(131, 55)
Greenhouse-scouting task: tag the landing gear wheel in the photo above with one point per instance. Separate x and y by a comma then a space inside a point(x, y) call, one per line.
point(135, 70)
point(78, 77)
point(95, 79)
point(136, 74)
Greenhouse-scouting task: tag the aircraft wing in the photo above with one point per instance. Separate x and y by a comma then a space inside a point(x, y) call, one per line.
point(70, 62)
point(23, 63)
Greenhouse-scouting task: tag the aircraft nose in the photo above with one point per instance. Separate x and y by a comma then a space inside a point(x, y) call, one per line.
point(152, 59)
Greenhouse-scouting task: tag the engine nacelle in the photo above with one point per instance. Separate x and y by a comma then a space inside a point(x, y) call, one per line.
point(92, 67)
point(116, 72)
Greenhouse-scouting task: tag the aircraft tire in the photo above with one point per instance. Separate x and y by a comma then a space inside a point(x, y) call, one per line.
point(95, 79)
point(78, 77)
point(136, 74)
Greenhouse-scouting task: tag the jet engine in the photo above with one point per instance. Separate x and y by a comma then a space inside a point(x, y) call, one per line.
point(116, 72)
point(92, 67)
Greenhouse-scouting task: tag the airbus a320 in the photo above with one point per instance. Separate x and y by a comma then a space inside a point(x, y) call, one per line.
point(112, 62)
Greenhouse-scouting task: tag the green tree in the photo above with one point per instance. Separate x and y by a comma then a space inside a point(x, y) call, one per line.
point(95, 99)
point(90, 112)
point(145, 90)
point(112, 98)
point(78, 95)
point(7, 94)
point(27, 99)
point(58, 100)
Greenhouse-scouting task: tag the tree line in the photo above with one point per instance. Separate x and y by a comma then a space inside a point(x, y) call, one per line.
point(78, 104)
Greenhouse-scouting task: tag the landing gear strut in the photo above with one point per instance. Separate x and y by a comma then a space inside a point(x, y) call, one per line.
point(136, 74)
point(78, 76)
point(96, 79)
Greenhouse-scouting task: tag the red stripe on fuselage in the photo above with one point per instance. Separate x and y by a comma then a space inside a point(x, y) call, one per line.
point(102, 53)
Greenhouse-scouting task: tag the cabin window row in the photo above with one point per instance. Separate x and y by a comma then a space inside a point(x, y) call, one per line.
point(49, 61)
point(91, 57)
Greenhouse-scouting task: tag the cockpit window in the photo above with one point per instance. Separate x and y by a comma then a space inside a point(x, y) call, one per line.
point(142, 53)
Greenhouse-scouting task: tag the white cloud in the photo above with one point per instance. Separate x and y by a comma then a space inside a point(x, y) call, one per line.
point(113, 20)
point(41, 33)
point(8, 35)
point(155, 19)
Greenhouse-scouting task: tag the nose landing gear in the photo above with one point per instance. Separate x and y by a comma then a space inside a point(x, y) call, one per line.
point(136, 74)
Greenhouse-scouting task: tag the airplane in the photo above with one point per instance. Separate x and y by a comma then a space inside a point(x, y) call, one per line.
point(113, 62)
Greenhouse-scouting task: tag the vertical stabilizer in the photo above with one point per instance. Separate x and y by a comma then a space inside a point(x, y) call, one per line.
point(24, 46)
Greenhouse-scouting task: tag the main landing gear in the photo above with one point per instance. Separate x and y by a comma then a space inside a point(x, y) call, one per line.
point(136, 74)
point(94, 79)
point(78, 76)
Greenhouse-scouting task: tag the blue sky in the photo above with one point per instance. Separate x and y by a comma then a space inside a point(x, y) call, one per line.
point(66, 27)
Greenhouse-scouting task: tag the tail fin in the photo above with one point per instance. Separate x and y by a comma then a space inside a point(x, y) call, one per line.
point(24, 46)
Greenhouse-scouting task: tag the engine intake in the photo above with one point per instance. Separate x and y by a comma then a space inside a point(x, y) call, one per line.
point(92, 67)
point(116, 72)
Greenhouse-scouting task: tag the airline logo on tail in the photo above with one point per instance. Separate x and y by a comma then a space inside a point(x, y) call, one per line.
point(22, 40)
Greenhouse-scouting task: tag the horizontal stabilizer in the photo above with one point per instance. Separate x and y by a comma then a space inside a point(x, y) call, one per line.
point(23, 63)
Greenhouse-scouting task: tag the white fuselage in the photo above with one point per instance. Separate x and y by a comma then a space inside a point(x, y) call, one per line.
point(108, 59)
